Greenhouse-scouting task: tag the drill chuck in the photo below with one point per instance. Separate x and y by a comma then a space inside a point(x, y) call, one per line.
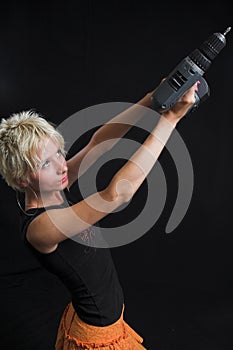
point(206, 53)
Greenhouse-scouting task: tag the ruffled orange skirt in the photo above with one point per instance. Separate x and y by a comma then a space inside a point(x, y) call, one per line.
point(74, 334)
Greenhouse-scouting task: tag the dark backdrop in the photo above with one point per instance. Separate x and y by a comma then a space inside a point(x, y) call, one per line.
point(60, 57)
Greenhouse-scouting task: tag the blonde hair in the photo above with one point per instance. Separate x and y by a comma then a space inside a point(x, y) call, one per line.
point(20, 137)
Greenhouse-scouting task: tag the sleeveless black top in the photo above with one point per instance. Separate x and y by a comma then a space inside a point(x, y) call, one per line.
point(87, 272)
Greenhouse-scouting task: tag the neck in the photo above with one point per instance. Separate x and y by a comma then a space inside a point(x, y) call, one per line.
point(38, 200)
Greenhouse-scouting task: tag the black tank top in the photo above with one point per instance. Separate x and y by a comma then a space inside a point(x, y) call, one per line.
point(87, 272)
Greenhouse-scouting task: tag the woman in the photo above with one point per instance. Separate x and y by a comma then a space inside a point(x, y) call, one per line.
point(32, 161)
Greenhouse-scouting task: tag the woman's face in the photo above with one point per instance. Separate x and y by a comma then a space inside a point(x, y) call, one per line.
point(52, 174)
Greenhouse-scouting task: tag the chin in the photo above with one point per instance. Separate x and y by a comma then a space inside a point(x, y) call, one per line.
point(63, 186)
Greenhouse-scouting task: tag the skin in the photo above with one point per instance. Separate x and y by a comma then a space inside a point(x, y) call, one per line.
point(55, 174)
point(50, 179)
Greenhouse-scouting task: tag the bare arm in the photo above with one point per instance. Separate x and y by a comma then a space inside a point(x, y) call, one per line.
point(116, 128)
point(54, 226)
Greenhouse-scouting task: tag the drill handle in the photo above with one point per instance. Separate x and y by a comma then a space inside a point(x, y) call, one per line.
point(186, 74)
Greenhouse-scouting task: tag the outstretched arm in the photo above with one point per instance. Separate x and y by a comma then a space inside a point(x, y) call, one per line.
point(47, 230)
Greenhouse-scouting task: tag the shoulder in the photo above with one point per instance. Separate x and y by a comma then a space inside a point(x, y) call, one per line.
point(42, 232)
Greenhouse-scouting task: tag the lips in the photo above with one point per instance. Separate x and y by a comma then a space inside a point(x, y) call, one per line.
point(64, 179)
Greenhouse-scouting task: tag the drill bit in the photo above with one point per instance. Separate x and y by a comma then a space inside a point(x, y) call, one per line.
point(227, 30)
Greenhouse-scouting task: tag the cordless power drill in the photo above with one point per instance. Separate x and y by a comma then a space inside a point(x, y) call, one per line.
point(188, 72)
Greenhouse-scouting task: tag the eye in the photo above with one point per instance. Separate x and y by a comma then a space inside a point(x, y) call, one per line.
point(45, 164)
point(60, 153)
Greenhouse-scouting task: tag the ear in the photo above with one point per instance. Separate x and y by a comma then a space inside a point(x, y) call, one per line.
point(23, 183)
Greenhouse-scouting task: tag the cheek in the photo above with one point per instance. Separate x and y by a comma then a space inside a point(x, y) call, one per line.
point(44, 179)
point(47, 179)
point(38, 180)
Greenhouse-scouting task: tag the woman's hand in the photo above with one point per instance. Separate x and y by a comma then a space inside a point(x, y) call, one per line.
point(181, 107)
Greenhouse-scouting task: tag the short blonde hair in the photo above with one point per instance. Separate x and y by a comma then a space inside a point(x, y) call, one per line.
point(20, 137)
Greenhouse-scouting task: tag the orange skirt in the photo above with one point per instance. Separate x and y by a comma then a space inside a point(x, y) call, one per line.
point(74, 334)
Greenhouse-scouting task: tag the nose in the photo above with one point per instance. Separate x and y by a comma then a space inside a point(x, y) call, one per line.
point(61, 166)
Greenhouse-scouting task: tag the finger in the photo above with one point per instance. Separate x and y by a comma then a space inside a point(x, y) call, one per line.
point(190, 92)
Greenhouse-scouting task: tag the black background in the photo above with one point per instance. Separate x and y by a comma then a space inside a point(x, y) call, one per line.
point(60, 57)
